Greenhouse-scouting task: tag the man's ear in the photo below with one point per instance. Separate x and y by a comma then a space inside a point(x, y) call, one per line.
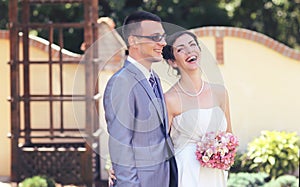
point(132, 41)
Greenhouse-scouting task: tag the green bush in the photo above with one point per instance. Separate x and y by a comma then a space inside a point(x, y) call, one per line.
point(275, 153)
point(38, 181)
point(237, 166)
point(244, 179)
point(284, 181)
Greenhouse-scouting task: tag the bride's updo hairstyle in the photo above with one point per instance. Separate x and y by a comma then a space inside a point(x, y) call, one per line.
point(168, 50)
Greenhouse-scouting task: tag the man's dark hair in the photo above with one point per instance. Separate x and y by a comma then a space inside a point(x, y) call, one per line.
point(132, 23)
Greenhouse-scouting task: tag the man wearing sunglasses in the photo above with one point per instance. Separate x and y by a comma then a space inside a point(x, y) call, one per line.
point(135, 110)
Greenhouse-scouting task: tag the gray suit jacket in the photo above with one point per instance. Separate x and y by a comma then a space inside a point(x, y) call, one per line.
point(139, 143)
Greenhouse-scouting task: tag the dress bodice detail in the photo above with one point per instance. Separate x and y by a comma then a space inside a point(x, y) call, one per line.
point(189, 126)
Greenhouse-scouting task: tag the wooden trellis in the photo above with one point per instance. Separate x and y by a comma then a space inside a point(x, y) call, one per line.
point(56, 150)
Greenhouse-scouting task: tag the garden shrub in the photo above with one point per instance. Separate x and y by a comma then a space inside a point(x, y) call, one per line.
point(244, 179)
point(275, 153)
point(237, 166)
point(284, 181)
point(38, 181)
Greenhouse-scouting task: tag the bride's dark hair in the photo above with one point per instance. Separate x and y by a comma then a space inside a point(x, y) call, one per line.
point(168, 52)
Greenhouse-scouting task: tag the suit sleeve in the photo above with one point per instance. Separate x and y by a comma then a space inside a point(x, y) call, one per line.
point(119, 115)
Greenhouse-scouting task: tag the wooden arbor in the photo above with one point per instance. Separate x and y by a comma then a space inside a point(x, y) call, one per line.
point(54, 147)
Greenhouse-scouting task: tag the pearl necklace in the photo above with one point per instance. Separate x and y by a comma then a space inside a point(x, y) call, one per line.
point(189, 94)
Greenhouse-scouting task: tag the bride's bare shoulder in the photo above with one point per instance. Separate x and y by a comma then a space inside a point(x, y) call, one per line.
point(220, 94)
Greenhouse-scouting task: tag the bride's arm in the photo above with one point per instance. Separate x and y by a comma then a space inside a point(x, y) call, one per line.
point(169, 109)
point(171, 104)
point(226, 108)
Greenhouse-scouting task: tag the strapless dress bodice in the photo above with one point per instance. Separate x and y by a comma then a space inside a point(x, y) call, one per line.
point(189, 126)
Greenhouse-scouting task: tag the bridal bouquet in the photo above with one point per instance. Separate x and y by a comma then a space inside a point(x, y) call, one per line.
point(217, 150)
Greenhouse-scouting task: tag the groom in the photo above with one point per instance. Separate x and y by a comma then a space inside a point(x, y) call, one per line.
point(135, 111)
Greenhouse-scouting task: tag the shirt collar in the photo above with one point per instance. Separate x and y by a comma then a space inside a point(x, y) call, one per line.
point(144, 70)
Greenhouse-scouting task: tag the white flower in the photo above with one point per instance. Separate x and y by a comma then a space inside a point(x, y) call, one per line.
point(222, 152)
point(205, 158)
point(226, 149)
point(209, 152)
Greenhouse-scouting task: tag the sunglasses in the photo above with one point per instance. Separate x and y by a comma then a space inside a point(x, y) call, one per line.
point(156, 38)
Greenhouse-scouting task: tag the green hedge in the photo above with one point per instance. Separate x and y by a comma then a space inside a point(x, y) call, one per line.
point(37, 181)
point(275, 153)
point(244, 179)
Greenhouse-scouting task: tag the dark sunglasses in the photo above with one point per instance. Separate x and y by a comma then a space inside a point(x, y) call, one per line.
point(156, 38)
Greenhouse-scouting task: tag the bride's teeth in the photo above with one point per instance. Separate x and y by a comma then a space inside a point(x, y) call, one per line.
point(192, 58)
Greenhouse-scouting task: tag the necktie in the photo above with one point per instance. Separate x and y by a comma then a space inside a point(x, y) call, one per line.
point(159, 98)
point(154, 85)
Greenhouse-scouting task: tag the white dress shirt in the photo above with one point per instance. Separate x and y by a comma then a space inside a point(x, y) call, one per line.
point(142, 68)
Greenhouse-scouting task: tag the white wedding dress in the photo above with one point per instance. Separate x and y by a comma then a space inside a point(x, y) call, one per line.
point(187, 129)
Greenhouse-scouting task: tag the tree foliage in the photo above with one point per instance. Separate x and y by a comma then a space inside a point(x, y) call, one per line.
point(278, 19)
point(60, 13)
point(3, 14)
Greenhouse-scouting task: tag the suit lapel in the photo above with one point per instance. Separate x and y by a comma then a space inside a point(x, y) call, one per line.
point(165, 114)
point(146, 85)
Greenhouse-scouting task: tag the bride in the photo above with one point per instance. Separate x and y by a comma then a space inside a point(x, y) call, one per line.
point(194, 108)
